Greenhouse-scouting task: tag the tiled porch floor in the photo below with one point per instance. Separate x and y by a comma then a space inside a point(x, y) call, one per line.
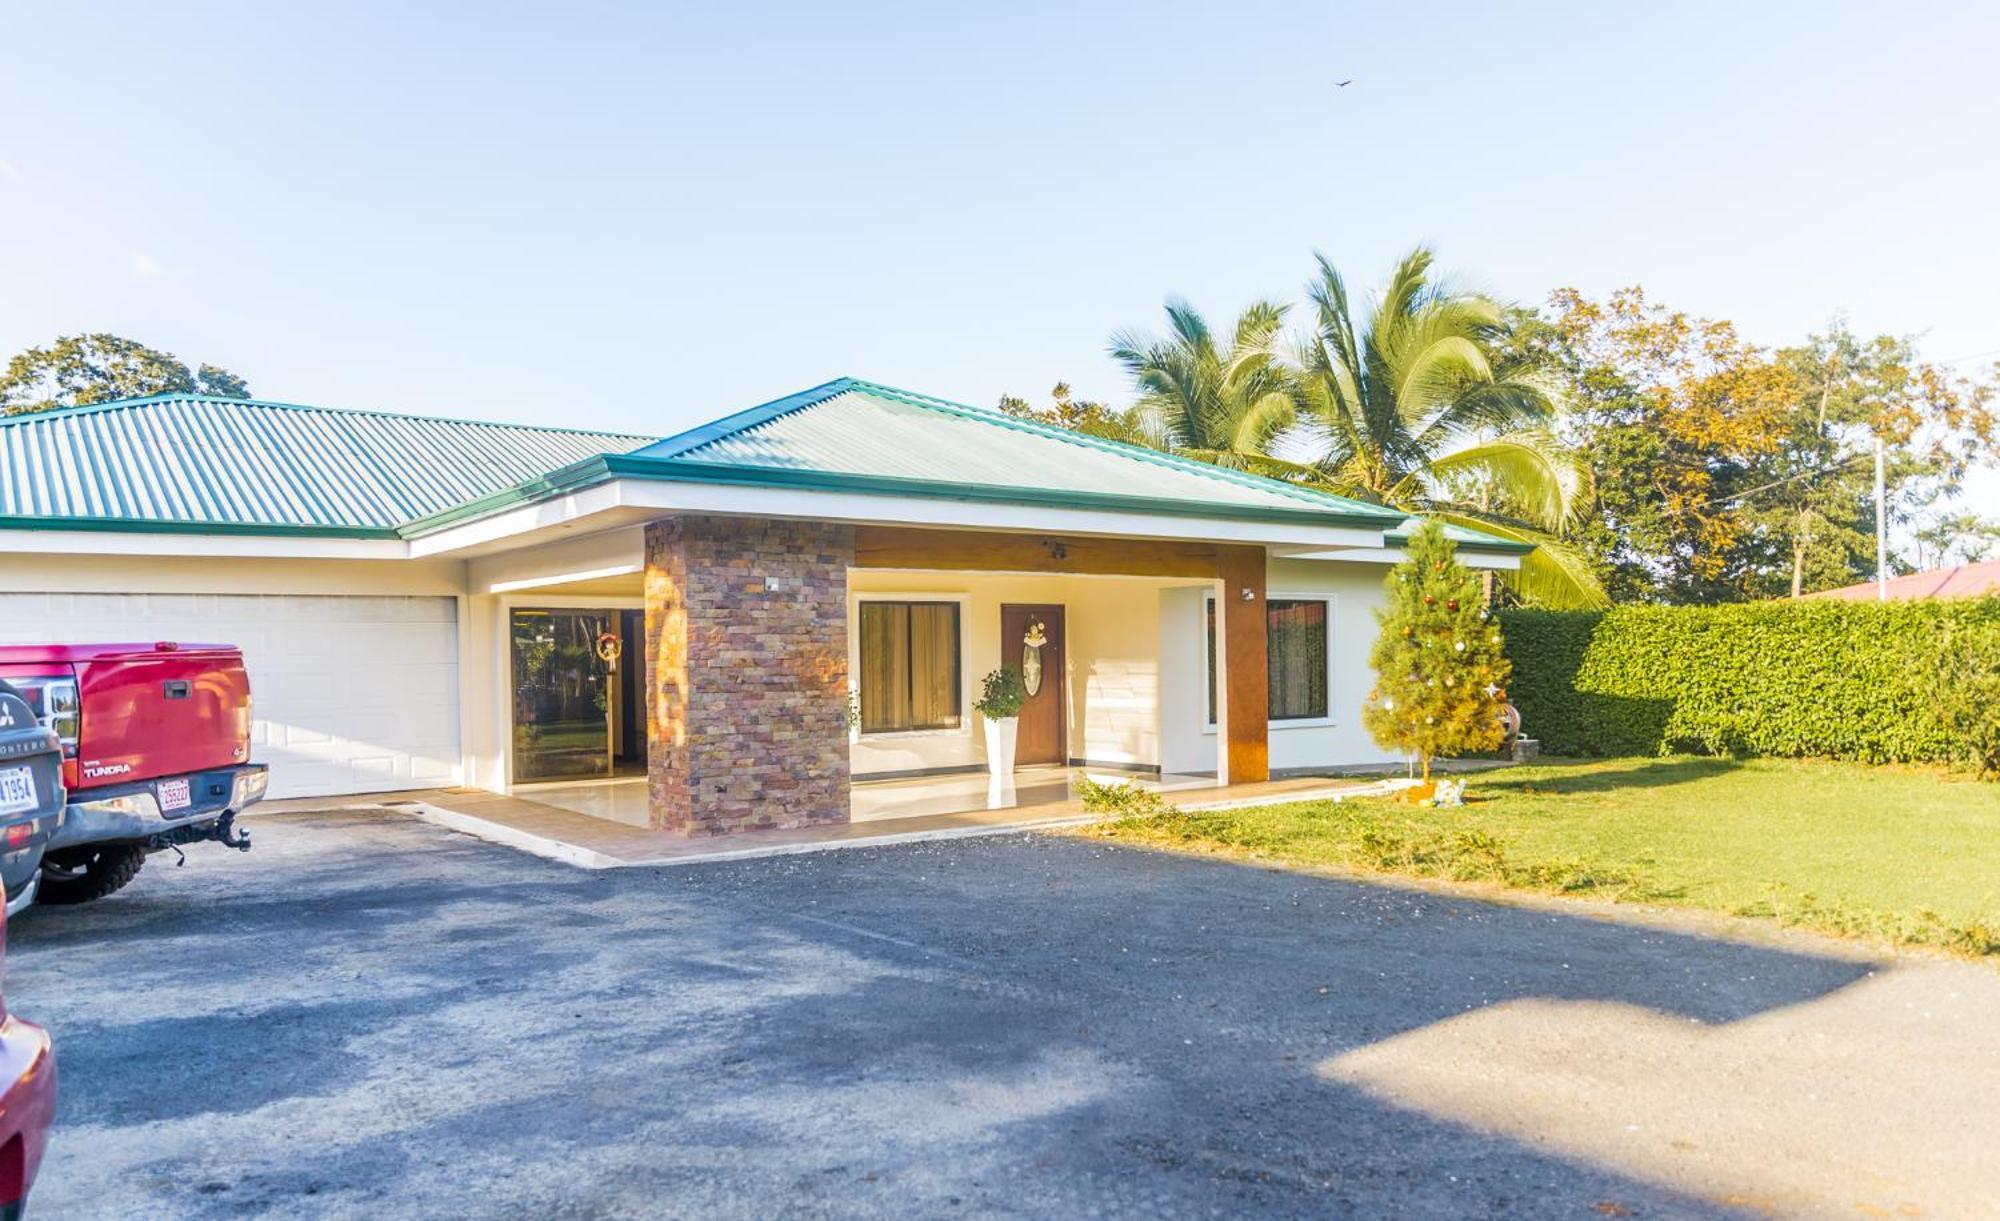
point(533, 823)
point(623, 800)
point(912, 797)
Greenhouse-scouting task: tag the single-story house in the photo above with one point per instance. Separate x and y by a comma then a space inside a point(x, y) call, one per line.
point(743, 625)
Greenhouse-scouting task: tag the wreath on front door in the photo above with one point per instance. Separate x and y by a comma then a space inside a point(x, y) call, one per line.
point(1031, 657)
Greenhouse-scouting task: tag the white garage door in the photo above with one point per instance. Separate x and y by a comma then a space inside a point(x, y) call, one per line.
point(350, 694)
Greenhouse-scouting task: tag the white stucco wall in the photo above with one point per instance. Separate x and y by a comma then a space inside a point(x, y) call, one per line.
point(1113, 669)
point(1138, 667)
point(1187, 743)
point(1355, 591)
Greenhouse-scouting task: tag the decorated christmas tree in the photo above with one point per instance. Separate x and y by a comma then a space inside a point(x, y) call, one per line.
point(1440, 677)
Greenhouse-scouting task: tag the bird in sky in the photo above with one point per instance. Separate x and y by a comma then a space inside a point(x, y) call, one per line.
point(1343, 84)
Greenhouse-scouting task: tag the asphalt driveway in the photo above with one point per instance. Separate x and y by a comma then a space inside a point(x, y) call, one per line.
point(371, 1016)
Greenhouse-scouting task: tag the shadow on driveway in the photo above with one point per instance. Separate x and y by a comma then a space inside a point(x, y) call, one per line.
point(371, 1015)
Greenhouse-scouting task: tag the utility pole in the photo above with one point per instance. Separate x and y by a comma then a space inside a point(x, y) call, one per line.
point(1881, 526)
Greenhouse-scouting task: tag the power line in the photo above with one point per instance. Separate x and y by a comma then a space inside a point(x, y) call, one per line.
point(1775, 483)
point(1966, 360)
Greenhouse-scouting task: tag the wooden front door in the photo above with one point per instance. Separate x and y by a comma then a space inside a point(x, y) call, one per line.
point(1044, 734)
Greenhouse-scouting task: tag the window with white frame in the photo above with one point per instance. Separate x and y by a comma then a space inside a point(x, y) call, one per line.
point(909, 666)
point(1297, 656)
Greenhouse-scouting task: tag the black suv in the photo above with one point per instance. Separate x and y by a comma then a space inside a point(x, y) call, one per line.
point(31, 796)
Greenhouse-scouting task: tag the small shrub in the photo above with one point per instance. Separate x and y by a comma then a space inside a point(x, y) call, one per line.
point(1122, 800)
point(1001, 694)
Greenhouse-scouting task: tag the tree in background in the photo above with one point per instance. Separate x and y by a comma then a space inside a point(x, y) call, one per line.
point(1951, 539)
point(1222, 403)
point(1432, 409)
point(1674, 414)
point(1440, 674)
point(1425, 409)
point(80, 369)
point(1727, 471)
point(1816, 499)
point(1065, 410)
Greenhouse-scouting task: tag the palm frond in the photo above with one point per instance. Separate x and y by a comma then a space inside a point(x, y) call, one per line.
point(1263, 420)
point(1534, 476)
point(1555, 574)
point(1434, 377)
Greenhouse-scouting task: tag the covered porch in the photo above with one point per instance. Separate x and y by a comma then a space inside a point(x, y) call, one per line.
point(738, 675)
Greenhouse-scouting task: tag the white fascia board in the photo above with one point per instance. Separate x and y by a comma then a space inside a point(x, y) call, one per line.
point(734, 500)
point(256, 546)
point(1394, 555)
point(537, 522)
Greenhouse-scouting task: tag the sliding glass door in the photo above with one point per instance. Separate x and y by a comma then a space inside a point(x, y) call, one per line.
point(564, 693)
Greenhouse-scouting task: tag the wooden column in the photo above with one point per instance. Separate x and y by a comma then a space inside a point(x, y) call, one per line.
point(1246, 707)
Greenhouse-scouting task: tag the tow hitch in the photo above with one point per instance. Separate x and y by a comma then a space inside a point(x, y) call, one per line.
point(223, 831)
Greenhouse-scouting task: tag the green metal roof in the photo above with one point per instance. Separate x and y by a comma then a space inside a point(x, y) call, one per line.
point(855, 428)
point(1463, 536)
point(178, 462)
point(195, 463)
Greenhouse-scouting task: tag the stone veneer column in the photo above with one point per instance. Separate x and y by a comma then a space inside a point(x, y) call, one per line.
point(746, 673)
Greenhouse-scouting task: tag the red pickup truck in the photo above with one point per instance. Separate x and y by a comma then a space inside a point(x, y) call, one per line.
point(156, 753)
point(27, 1101)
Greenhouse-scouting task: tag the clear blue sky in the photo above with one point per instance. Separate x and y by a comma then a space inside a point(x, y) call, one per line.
point(640, 216)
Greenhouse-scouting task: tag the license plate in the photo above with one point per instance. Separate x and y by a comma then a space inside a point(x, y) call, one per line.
point(17, 790)
point(175, 795)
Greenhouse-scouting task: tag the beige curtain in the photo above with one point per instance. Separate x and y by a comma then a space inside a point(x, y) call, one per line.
point(909, 666)
point(934, 665)
point(885, 666)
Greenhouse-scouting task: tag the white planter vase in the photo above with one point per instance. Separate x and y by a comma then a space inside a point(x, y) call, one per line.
point(1000, 735)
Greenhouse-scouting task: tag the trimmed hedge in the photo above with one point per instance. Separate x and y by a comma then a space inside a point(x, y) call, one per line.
point(1846, 680)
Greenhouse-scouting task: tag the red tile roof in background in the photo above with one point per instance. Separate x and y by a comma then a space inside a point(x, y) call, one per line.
point(1964, 581)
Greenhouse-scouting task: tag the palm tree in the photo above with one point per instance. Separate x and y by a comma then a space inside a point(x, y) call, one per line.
point(1223, 405)
point(1423, 412)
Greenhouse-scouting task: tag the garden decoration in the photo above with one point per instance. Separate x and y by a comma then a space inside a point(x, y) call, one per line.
point(1448, 793)
point(1519, 747)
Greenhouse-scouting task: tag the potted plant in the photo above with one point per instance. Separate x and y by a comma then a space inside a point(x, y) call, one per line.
point(999, 703)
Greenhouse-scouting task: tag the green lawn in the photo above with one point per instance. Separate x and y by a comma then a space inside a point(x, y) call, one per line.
point(1909, 854)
